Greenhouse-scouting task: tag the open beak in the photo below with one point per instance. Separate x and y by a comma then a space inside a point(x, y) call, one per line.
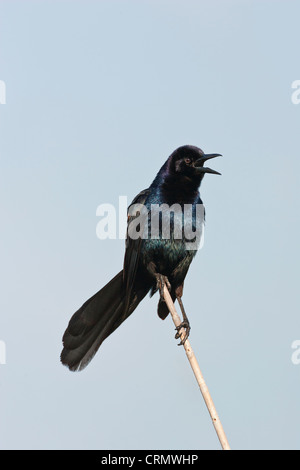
point(203, 169)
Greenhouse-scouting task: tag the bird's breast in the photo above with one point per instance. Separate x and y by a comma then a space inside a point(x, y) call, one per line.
point(170, 234)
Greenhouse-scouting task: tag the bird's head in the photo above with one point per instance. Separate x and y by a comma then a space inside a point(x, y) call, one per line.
point(189, 161)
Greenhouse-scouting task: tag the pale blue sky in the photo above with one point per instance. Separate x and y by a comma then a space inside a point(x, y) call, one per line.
point(98, 95)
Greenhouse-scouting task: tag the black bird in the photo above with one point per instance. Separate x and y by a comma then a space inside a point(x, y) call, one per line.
point(150, 261)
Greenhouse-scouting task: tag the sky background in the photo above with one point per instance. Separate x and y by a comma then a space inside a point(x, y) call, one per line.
point(98, 94)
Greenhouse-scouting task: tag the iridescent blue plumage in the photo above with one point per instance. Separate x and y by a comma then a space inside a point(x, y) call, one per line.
point(168, 241)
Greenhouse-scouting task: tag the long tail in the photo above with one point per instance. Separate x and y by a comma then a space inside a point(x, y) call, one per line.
point(95, 321)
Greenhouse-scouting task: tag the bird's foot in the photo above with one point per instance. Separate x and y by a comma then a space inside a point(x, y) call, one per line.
point(161, 282)
point(186, 325)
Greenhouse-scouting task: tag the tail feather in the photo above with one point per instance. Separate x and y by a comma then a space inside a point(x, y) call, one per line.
point(98, 317)
point(91, 324)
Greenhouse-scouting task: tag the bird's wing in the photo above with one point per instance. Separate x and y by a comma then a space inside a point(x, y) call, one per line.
point(133, 247)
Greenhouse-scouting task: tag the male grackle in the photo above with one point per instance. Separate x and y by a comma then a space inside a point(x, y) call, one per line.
point(150, 261)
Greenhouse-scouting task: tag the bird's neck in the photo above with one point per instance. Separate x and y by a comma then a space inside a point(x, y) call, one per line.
point(179, 189)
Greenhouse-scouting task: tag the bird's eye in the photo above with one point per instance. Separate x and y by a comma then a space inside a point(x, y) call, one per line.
point(188, 161)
